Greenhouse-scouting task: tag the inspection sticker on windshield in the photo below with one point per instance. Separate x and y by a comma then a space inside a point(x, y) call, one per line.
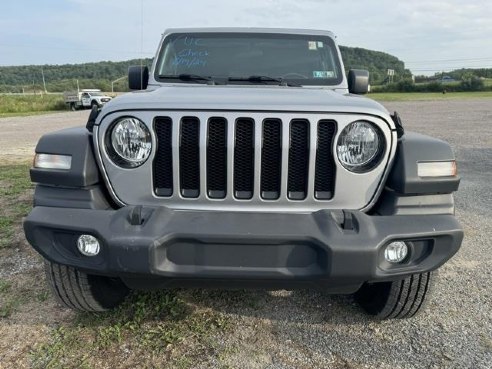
point(323, 74)
point(312, 45)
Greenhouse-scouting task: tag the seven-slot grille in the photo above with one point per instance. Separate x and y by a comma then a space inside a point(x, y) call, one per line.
point(231, 145)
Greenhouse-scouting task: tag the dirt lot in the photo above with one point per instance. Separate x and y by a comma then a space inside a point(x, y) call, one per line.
point(258, 329)
point(20, 134)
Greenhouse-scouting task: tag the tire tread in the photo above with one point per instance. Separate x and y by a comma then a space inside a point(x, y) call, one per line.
point(404, 298)
point(72, 288)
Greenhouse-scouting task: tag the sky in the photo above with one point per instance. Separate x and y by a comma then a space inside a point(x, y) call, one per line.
point(428, 35)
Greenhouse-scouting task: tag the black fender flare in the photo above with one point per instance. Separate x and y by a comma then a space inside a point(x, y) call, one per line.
point(413, 148)
point(77, 143)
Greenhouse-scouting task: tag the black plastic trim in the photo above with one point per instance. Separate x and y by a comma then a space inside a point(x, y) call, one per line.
point(393, 203)
point(92, 197)
point(413, 148)
point(92, 118)
point(398, 124)
point(138, 77)
point(76, 142)
point(229, 245)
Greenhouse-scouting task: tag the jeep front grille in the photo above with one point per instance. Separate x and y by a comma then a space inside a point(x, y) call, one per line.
point(244, 158)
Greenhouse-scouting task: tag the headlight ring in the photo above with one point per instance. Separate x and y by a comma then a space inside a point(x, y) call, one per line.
point(360, 146)
point(128, 142)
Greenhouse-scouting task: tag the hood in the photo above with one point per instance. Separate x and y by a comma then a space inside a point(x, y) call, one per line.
point(245, 97)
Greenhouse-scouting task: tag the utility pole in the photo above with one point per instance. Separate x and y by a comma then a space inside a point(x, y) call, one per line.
point(391, 73)
point(44, 82)
point(116, 80)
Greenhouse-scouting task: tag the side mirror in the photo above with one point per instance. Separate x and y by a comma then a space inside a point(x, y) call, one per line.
point(138, 77)
point(358, 81)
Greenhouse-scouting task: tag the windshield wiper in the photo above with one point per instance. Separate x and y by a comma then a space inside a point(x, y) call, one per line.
point(262, 79)
point(188, 77)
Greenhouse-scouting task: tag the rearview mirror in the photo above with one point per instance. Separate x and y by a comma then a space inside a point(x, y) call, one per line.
point(358, 81)
point(138, 77)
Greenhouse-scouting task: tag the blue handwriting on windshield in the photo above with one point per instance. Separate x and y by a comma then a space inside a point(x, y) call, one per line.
point(191, 58)
point(192, 41)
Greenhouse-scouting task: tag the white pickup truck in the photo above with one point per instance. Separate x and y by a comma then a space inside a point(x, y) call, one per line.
point(86, 98)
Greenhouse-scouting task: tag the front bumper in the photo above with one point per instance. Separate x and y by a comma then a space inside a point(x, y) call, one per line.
point(233, 247)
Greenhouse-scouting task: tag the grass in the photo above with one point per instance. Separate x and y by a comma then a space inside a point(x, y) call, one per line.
point(5, 286)
point(18, 105)
point(415, 96)
point(29, 113)
point(15, 201)
point(12, 297)
point(157, 327)
point(6, 230)
point(487, 82)
point(24, 105)
point(10, 305)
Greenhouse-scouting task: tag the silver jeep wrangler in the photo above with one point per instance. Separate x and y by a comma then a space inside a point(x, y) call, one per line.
point(244, 159)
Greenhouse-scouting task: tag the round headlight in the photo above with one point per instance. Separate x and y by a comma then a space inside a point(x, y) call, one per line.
point(130, 142)
point(360, 146)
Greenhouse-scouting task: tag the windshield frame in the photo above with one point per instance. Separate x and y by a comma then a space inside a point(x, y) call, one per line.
point(318, 82)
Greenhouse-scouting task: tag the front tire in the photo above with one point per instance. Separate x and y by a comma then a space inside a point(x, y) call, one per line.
point(84, 292)
point(397, 299)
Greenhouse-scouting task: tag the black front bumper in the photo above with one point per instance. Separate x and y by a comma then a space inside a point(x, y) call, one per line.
point(263, 249)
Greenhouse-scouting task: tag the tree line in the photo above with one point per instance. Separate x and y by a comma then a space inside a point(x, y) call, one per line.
point(59, 78)
point(64, 77)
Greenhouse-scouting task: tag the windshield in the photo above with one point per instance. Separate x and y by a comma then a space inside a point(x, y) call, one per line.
point(95, 93)
point(236, 57)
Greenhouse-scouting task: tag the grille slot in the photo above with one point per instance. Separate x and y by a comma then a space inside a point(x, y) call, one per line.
point(189, 157)
point(324, 181)
point(244, 156)
point(298, 159)
point(217, 158)
point(271, 159)
point(163, 163)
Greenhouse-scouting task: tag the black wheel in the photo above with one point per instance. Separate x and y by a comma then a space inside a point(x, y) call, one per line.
point(73, 107)
point(84, 292)
point(398, 299)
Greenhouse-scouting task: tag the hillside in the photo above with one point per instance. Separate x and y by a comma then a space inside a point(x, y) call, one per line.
point(99, 75)
point(64, 77)
point(376, 62)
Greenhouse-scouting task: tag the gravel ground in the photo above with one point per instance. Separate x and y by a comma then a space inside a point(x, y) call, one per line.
point(20, 134)
point(305, 329)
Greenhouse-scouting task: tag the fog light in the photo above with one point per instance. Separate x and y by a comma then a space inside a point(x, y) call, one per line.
point(88, 245)
point(396, 252)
